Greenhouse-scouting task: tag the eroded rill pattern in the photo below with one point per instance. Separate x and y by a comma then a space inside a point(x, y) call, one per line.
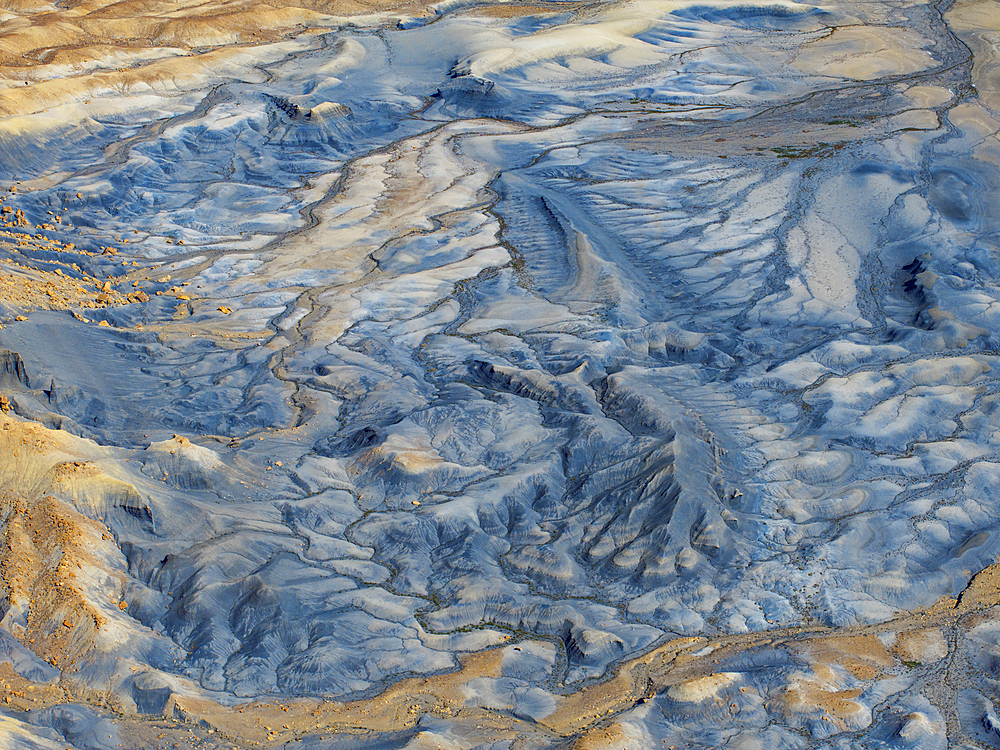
point(585, 330)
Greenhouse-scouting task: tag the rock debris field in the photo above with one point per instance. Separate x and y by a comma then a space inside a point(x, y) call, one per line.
point(573, 375)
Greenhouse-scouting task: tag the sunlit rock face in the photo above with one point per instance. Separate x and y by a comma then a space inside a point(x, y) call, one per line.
point(495, 347)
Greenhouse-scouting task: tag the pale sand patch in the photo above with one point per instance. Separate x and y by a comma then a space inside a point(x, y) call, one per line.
point(977, 23)
point(863, 656)
point(975, 120)
point(508, 10)
point(701, 689)
point(865, 53)
point(924, 645)
point(915, 119)
point(926, 97)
